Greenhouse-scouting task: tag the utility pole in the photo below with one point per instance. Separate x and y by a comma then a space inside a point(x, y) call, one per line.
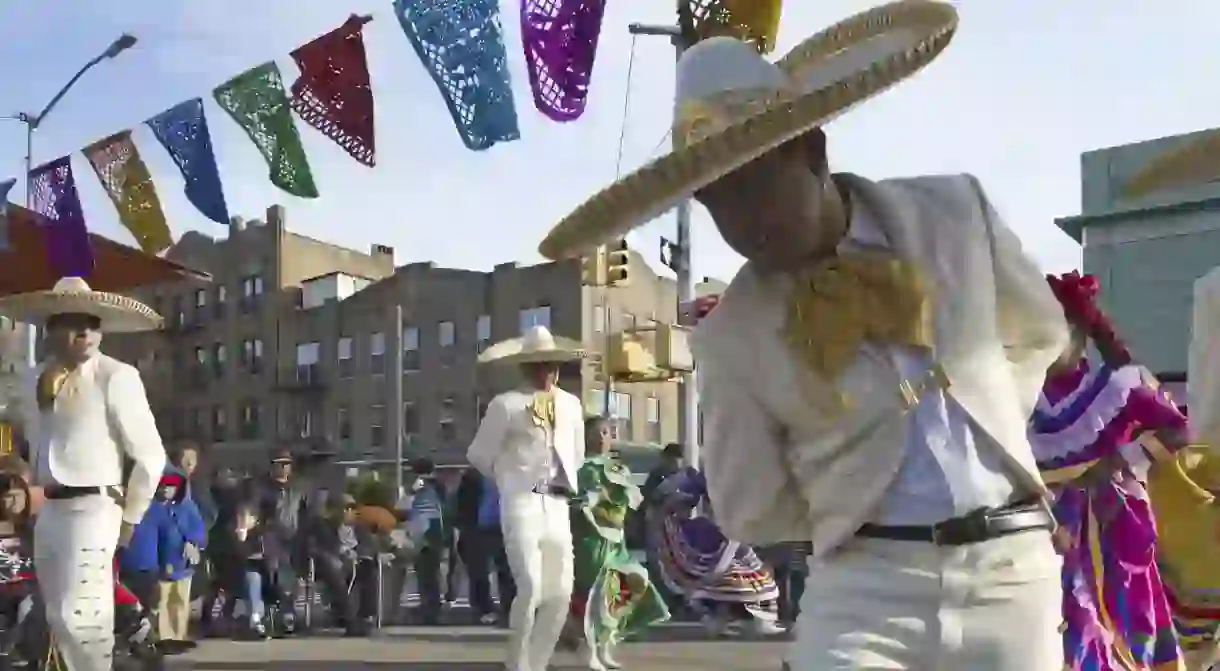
point(397, 422)
point(688, 412)
point(32, 123)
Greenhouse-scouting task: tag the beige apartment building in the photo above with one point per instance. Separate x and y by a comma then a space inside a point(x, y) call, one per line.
point(293, 345)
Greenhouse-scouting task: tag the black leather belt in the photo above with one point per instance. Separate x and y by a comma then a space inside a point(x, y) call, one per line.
point(63, 492)
point(981, 525)
point(558, 491)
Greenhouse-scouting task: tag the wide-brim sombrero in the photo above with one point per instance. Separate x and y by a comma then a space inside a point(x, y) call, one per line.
point(538, 345)
point(118, 314)
point(825, 75)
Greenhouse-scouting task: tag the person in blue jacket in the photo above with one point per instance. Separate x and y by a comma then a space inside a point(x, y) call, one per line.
point(180, 537)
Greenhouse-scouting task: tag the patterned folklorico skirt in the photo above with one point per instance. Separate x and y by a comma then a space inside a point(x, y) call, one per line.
point(696, 560)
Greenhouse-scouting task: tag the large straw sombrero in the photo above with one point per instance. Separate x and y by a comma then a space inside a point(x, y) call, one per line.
point(734, 106)
point(118, 314)
point(536, 346)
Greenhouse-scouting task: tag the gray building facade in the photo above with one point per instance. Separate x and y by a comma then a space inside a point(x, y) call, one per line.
point(1146, 252)
point(292, 345)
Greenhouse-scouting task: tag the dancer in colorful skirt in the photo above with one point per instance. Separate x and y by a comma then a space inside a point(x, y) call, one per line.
point(1184, 493)
point(1183, 497)
point(1097, 431)
point(723, 580)
point(613, 597)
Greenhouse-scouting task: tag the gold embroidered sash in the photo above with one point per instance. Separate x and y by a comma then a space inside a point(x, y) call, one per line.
point(851, 298)
point(542, 409)
point(50, 383)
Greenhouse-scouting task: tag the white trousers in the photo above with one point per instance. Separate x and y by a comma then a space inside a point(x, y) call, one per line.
point(74, 544)
point(876, 604)
point(538, 542)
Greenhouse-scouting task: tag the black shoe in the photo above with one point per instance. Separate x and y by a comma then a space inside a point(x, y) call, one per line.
point(170, 647)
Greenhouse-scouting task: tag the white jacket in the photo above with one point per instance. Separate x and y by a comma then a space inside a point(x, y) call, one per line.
point(100, 415)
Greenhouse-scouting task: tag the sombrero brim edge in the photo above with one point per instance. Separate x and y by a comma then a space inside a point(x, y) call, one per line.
point(658, 186)
point(118, 314)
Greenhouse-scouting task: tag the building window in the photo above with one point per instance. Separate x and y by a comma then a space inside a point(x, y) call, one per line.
point(252, 355)
point(251, 420)
point(410, 420)
point(446, 334)
point(447, 421)
point(304, 422)
point(599, 319)
point(483, 332)
point(377, 353)
point(199, 368)
point(344, 421)
point(220, 424)
point(377, 425)
point(251, 292)
point(629, 321)
point(410, 349)
point(595, 402)
point(345, 356)
point(221, 296)
point(219, 355)
point(654, 419)
point(201, 305)
point(307, 371)
point(178, 318)
point(539, 316)
point(195, 424)
point(620, 415)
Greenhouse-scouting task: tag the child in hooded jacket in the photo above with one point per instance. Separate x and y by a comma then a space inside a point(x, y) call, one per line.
point(180, 538)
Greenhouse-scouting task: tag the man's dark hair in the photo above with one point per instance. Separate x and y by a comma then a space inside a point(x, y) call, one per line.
point(175, 457)
point(54, 321)
point(423, 466)
point(674, 451)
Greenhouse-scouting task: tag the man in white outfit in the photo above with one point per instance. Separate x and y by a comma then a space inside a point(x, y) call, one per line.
point(531, 442)
point(84, 414)
point(866, 378)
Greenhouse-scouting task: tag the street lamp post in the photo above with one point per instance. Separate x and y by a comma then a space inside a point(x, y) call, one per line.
point(688, 414)
point(34, 121)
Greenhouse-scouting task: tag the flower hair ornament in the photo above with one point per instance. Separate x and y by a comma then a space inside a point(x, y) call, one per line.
point(1078, 295)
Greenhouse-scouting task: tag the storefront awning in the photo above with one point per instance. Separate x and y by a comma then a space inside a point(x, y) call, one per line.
point(25, 267)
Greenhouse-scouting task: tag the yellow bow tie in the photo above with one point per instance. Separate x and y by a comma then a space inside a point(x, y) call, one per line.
point(851, 298)
point(542, 409)
point(50, 383)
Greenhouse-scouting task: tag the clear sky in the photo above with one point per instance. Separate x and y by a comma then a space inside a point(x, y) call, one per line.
point(1025, 87)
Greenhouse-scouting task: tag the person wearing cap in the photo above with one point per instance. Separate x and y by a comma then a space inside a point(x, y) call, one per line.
point(531, 442)
point(84, 415)
point(426, 522)
point(281, 507)
point(867, 376)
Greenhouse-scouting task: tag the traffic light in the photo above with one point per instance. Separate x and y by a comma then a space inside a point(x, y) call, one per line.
point(593, 269)
point(618, 261)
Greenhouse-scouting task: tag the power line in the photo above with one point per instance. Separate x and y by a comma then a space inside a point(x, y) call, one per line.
point(622, 131)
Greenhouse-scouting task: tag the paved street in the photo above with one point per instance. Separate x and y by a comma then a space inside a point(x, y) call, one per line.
point(672, 647)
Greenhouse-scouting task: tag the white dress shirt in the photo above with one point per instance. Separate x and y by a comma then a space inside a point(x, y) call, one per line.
point(950, 468)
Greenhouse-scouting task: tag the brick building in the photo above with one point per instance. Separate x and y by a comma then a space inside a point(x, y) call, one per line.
point(293, 345)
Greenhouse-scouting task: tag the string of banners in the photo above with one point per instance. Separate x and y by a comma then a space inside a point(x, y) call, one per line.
point(460, 43)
